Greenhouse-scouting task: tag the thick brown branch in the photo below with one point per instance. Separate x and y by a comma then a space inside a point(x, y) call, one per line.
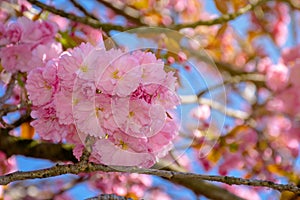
point(199, 187)
point(91, 167)
point(11, 145)
point(220, 20)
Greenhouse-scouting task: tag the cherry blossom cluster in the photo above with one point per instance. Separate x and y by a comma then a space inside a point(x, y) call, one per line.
point(118, 103)
point(161, 12)
point(133, 185)
point(27, 44)
point(275, 21)
point(286, 125)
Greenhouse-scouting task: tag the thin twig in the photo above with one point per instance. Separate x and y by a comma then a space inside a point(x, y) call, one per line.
point(9, 89)
point(188, 99)
point(84, 20)
point(108, 27)
point(83, 10)
point(293, 4)
point(91, 167)
point(121, 9)
point(220, 20)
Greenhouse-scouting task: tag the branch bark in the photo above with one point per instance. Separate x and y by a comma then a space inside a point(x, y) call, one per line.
point(170, 175)
point(109, 197)
point(11, 145)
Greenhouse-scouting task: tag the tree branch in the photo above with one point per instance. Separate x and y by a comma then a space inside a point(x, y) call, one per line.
point(199, 187)
point(12, 145)
point(220, 20)
point(187, 99)
point(83, 10)
point(121, 9)
point(9, 89)
point(108, 27)
point(108, 197)
point(91, 167)
point(84, 20)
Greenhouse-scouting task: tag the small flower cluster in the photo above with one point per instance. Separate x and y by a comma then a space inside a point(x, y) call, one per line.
point(27, 44)
point(131, 185)
point(118, 100)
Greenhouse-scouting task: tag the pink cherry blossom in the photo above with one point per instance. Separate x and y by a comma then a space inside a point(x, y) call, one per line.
point(46, 123)
point(45, 52)
point(37, 32)
point(41, 84)
point(15, 58)
point(110, 154)
point(264, 64)
point(201, 112)
point(161, 143)
point(138, 118)
point(13, 33)
point(86, 119)
point(63, 103)
point(276, 125)
point(290, 55)
point(121, 183)
point(287, 101)
point(277, 77)
point(122, 76)
point(28, 44)
point(118, 98)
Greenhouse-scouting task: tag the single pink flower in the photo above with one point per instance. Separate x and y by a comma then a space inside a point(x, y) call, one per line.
point(46, 124)
point(277, 77)
point(14, 33)
point(41, 84)
point(111, 154)
point(201, 112)
point(43, 53)
point(16, 58)
point(37, 32)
